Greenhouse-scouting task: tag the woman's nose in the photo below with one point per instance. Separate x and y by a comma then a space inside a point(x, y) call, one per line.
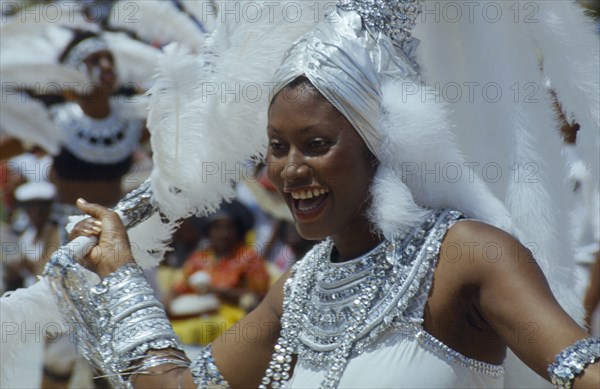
point(296, 167)
point(105, 63)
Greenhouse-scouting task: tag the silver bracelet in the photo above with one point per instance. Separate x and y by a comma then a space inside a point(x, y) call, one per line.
point(116, 321)
point(206, 374)
point(570, 362)
point(137, 320)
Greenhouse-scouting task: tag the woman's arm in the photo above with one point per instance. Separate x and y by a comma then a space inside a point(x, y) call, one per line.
point(515, 300)
point(241, 353)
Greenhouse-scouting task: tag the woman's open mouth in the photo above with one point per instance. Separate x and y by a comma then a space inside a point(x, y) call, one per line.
point(308, 203)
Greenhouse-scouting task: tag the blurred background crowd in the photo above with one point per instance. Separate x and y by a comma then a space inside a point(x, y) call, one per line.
point(59, 144)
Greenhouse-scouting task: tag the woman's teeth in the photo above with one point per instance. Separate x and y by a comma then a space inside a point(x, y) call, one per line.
point(309, 193)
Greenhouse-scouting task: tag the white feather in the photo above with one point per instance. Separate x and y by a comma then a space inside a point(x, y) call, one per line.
point(520, 124)
point(419, 146)
point(30, 60)
point(150, 240)
point(135, 61)
point(26, 316)
point(171, 105)
point(28, 120)
point(156, 21)
point(193, 100)
point(569, 45)
point(517, 131)
point(43, 78)
point(393, 208)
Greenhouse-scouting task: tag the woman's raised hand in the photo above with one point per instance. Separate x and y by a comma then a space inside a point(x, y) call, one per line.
point(112, 249)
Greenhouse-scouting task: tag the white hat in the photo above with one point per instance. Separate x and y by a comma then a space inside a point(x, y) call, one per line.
point(35, 191)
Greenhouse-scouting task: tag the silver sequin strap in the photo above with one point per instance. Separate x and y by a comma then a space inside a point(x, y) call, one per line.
point(206, 374)
point(572, 361)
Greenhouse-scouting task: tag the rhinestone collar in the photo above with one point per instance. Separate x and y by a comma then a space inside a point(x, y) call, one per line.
point(332, 311)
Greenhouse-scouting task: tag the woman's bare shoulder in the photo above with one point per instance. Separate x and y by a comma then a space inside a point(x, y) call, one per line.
point(480, 251)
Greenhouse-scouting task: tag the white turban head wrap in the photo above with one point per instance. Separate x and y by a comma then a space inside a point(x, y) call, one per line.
point(347, 64)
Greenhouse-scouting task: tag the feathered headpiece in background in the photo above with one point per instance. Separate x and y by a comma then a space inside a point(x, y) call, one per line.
point(161, 22)
point(29, 61)
point(31, 49)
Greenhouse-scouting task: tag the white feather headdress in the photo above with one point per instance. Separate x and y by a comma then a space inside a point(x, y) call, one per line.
point(501, 165)
point(208, 113)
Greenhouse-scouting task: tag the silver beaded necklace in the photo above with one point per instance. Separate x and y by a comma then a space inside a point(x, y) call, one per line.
point(332, 311)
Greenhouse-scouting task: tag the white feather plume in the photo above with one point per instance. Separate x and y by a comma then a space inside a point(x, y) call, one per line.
point(195, 99)
point(172, 110)
point(28, 120)
point(423, 151)
point(156, 21)
point(511, 125)
point(568, 42)
point(514, 115)
point(393, 209)
point(30, 60)
point(135, 61)
point(150, 240)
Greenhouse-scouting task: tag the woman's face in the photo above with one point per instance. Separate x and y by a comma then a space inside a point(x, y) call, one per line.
point(101, 69)
point(320, 165)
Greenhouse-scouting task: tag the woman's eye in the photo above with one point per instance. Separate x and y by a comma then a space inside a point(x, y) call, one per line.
point(276, 146)
point(318, 144)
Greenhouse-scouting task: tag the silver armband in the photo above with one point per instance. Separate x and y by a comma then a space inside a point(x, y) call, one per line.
point(137, 320)
point(572, 360)
point(117, 320)
point(206, 374)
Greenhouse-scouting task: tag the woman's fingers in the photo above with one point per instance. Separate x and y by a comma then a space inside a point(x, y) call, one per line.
point(87, 227)
point(104, 221)
point(98, 212)
point(113, 249)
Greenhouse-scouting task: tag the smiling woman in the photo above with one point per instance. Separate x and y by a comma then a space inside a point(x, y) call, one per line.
point(403, 291)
